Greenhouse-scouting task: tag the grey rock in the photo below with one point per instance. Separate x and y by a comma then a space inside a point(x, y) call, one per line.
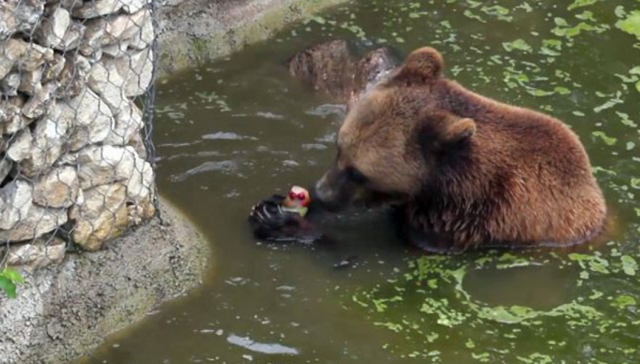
point(55, 251)
point(108, 164)
point(53, 28)
point(96, 8)
point(16, 200)
point(23, 254)
point(102, 215)
point(37, 222)
point(91, 118)
point(11, 51)
point(99, 165)
point(128, 123)
point(39, 103)
point(49, 141)
point(38, 254)
point(9, 85)
point(116, 50)
point(94, 32)
point(8, 24)
point(67, 4)
point(105, 80)
point(141, 185)
point(58, 188)
point(53, 69)
point(19, 16)
point(137, 144)
point(6, 165)
point(136, 70)
point(34, 57)
point(128, 27)
point(20, 146)
point(73, 78)
point(117, 29)
point(95, 56)
point(144, 38)
point(68, 159)
point(132, 6)
point(31, 81)
point(72, 38)
point(28, 13)
point(11, 118)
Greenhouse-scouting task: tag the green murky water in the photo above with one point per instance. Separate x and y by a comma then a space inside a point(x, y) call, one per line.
point(236, 130)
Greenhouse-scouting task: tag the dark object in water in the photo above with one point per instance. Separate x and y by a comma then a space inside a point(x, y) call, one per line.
point(342, 69)
point(271, 221)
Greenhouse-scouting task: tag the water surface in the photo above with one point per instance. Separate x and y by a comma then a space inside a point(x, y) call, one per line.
point(239, 129)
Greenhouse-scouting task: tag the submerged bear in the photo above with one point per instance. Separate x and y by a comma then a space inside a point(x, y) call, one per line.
point(462, 171)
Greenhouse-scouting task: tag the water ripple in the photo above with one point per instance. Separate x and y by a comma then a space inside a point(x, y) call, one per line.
point(218, 166)
point(222, 135)
point(263, 348)
point(328, 110)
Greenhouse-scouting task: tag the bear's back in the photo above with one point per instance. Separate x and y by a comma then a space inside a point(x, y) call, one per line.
point(527, 180)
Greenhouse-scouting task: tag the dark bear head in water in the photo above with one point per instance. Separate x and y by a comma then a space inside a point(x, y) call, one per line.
point(392, 140)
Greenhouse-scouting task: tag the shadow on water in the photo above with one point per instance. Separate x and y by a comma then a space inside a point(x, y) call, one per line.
point(235, 131)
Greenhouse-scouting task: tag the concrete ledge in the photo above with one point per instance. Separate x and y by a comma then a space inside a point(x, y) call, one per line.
point(196, 31)
point(64, 311)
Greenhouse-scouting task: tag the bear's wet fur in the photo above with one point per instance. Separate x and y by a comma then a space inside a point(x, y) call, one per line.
point(465, 171)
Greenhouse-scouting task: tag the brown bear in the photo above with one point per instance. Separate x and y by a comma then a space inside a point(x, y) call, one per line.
point(342, 69)
point(463, 170)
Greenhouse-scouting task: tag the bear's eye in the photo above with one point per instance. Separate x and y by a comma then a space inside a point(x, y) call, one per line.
point(354, 175)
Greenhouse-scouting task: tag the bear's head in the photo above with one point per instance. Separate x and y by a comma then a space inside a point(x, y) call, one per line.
point(393, 139)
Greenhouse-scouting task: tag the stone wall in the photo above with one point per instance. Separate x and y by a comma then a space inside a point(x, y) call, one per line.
point(72, 159)
point(64, 311)
point(193, 32)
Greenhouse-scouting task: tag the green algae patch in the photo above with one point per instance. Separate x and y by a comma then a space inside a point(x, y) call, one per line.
point(564, 29)
point(631, 24)
point(581, 3)
point(624, 301)
point(629, 265)
point(519, 45)
point(429, 299)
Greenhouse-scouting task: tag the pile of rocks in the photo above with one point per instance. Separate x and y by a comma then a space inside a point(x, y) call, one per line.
point(72, 160)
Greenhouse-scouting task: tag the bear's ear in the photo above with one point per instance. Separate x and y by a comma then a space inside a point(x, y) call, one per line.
point(423, 64)
point(459, 130)
point(441, 130)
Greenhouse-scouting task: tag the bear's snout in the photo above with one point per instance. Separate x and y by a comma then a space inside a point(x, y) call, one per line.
point(333, 191)
point(324, 192)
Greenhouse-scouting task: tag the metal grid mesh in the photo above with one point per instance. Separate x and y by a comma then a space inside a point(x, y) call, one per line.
point(76, 100)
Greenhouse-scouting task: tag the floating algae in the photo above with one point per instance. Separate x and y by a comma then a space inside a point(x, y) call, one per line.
point(429, 301)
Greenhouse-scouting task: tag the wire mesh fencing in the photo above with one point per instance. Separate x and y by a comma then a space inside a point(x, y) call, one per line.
point(76, 102)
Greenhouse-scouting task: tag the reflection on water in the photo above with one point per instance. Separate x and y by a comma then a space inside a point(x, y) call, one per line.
point(517, 288)
point(231, 133)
